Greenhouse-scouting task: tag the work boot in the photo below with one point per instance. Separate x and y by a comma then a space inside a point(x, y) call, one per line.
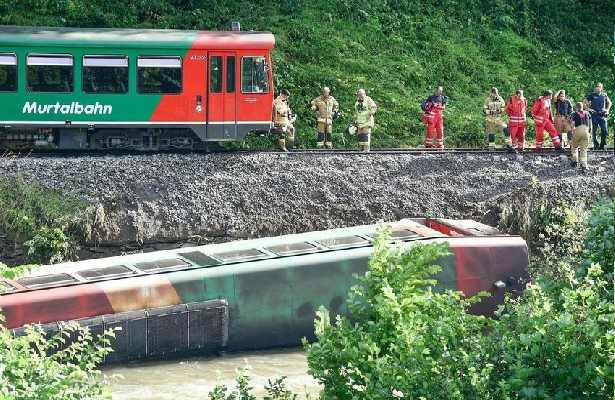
point(510, 149)
point(573, 164)
point(329, 145)
point(584, 170)
point(282, 145)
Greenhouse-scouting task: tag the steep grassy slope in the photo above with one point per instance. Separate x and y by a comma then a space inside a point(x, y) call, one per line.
point(399, 50)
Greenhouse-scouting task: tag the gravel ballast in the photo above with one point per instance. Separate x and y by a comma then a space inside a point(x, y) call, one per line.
point(173, 197)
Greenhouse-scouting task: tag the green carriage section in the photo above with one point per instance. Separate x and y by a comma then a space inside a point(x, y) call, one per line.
point(77, 106)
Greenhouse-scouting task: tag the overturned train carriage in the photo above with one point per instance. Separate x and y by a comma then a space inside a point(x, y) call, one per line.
point(134, 89)
point(250, 294)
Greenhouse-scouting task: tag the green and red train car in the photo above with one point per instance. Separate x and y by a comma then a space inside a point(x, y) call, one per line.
point(250, 294)
point(132, 88)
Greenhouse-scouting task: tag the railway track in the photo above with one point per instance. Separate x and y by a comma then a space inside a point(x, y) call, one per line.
point(373, 152)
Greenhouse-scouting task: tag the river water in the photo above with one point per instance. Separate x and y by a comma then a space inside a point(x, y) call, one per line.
point(193, 378)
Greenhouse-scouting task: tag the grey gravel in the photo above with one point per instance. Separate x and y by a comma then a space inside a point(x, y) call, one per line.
point(172, 197)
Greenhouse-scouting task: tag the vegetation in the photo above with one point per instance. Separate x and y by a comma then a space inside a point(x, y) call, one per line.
point(28, 372)
point(406, 340)
point(398, 50)
point(275, 390)
point(39, 217)
point(36, 366)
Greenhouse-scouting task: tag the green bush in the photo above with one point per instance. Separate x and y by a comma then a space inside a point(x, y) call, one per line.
point(555, 343)
point(27, 372)
point(406, 339)
point(39, 217)
point(276, 390)
point(48, 245)
point(599, 240)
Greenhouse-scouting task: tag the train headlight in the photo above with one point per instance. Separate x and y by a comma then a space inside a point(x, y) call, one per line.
point(499, 284)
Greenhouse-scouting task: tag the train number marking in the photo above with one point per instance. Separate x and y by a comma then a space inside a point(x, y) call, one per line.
point(198, 58)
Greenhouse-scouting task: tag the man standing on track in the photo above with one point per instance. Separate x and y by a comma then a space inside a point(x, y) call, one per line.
point(283, 121)
point(364, 108)
point(582, 122)
point(599, 106)
point(541, 113)
point(326, 108)
point(563, 111)
point(433, 108)
point(494, 108)
point(517, 120)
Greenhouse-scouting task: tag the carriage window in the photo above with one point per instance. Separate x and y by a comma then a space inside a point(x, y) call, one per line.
point(8, 73)
point(254, 75)
point(215, 74)
point(159, 75)
point(50, 73)
point(105, 74)
point(230, 74)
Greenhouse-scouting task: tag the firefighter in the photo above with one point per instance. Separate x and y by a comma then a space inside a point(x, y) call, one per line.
point(493, 108)
point(327, 109)
point(364, 108)
point(599, 106)
point(541, 113)
point(283, 120)
point(517, 120)
point(433, 108)
point(582, 122)
point(563, 110)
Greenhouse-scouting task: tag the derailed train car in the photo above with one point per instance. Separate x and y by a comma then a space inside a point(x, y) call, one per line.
point(250, 294)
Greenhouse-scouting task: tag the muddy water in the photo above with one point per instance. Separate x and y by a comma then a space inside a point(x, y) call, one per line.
point(193, 378)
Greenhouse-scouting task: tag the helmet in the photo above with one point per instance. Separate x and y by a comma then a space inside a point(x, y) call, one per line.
point(352, 129)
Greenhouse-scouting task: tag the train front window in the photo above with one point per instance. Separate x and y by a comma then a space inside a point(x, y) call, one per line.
point(105, 74)
point(8, 73)
point(254, 75)
point(215, 74)
point(50, 73)
point(159, 75)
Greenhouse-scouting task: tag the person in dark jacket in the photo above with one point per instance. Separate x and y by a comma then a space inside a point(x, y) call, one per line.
point(563, 111)
point(599, 107)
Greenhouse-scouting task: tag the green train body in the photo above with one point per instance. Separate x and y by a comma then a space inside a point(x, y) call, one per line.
point(132, 89)
point(249, 294)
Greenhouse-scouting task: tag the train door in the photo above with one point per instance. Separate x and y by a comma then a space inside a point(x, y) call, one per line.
point(222, 96)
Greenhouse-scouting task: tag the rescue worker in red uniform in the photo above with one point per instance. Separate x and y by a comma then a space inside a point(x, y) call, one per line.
point(517, 120)
point(433, 108)
point(543, 118)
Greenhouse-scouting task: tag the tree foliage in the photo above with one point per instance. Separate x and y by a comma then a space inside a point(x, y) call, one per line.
point(37, 367)
point(556, 341)
point(39, 217)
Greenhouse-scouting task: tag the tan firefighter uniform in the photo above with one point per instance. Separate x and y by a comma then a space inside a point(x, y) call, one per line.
point(325, 107)
point(364, 121)
point(494, 108)
point(283, 123)
point(581, 120)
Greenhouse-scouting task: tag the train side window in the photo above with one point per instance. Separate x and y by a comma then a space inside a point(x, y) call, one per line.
point(254, 75)
point(230, 74)
point(50, 73)
point(8, 73)
point(159, 75)
point(105, 74)
point(215, 74)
